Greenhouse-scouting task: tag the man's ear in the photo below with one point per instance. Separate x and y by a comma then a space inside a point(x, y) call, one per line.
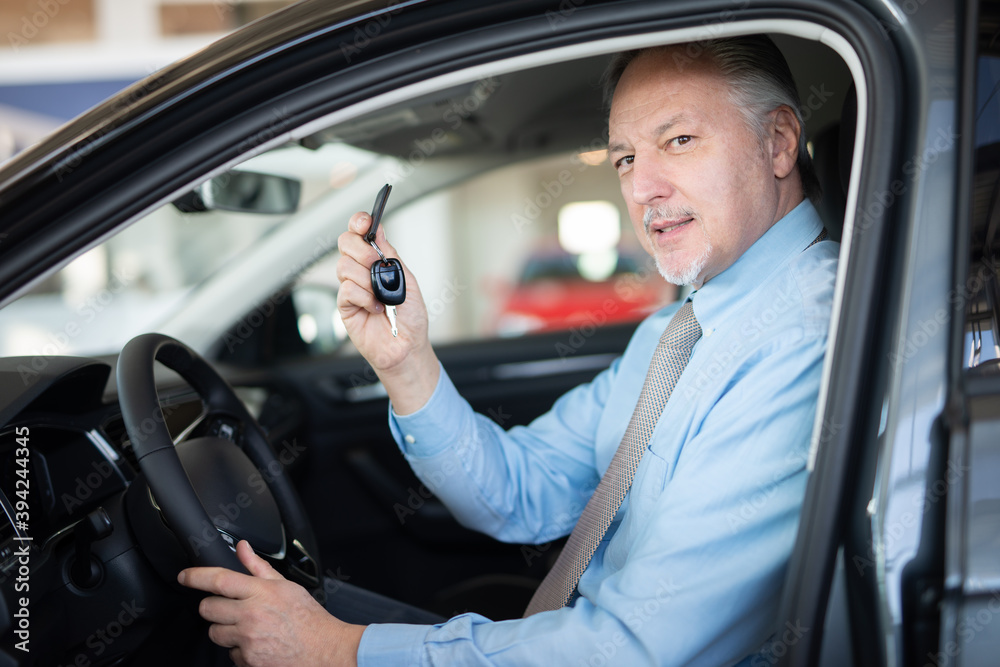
point(785, 129)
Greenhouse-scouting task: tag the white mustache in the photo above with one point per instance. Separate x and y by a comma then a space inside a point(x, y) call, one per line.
point(665, 212)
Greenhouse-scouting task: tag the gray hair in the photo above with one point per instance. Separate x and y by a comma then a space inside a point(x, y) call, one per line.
point(759, 82)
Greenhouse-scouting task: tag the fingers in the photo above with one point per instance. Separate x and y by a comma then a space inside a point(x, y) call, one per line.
point(349, 271)
point(227, 636)
point(361, 222)
point(215, 609)
point(352, 295)
point(254, 564)
point(218, 580)
point(236, 655)
point(357, 246)
point(359, 309)
point(354, 266)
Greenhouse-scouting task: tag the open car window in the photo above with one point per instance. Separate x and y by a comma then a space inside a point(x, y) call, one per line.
point(508, 214)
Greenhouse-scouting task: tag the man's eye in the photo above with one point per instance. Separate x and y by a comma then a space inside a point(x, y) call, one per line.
point(628, 159)
point(681, 140)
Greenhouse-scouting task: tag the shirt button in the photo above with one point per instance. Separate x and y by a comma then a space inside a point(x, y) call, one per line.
point(410, 439)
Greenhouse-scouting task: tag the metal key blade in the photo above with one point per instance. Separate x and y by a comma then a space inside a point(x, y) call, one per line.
point(390, 312)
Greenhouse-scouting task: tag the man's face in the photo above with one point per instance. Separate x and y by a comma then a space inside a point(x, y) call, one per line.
point(699, 185)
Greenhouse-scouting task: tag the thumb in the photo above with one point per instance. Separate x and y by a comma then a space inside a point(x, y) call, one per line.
point(254, 564)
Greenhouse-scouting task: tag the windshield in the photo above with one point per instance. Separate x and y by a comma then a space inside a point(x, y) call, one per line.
point(139, 278)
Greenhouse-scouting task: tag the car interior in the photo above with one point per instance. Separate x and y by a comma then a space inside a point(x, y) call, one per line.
point(239, 268)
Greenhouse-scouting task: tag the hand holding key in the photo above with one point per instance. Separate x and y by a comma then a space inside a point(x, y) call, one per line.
point(368, 271)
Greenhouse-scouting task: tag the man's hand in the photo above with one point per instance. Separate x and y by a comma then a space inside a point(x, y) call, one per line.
point(268, 621)
point(406, 364)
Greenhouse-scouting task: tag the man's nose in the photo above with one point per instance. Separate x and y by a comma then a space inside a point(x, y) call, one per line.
point(651, 183)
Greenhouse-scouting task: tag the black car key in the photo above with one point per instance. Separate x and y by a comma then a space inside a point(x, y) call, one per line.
point(388, 283)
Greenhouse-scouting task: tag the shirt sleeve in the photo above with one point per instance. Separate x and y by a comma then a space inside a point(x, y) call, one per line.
point(527, 484)
point(701, 584)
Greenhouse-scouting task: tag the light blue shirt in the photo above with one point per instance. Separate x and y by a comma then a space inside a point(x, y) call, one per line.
point(691, 570)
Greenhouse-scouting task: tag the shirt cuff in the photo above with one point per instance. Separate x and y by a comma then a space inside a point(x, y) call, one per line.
point(425, 432)
point(392, 644)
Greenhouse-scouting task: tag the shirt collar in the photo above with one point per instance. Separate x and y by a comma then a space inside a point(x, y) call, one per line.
point(786, 238)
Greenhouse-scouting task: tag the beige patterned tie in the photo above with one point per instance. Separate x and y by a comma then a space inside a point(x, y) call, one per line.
point(669, 360)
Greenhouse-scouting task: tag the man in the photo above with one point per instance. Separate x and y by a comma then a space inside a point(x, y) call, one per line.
point(710, 155)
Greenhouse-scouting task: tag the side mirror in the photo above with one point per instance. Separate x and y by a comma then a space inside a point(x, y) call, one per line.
point(243, 192)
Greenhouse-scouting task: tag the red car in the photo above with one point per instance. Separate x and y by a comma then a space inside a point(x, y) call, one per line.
point(553, 293)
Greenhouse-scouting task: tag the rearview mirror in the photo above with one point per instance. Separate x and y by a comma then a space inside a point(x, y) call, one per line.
point(243, 192)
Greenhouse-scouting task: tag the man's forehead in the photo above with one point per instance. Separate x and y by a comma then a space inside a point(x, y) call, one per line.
point(670, 62)
point(654, 88)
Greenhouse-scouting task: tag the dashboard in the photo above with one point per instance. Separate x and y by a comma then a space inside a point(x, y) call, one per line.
point(52, 476)
point(65, 459)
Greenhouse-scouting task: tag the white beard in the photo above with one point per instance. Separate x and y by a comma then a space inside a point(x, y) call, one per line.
point(682, 275)
point(685, 275)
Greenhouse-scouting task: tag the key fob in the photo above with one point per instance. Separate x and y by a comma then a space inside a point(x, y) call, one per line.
point(387, 282)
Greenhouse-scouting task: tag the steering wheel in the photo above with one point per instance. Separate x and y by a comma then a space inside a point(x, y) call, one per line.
point(232, 473)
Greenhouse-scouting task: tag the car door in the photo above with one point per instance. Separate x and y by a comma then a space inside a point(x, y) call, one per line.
point(319, 66)
point(392, 535)
point(897, 540)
